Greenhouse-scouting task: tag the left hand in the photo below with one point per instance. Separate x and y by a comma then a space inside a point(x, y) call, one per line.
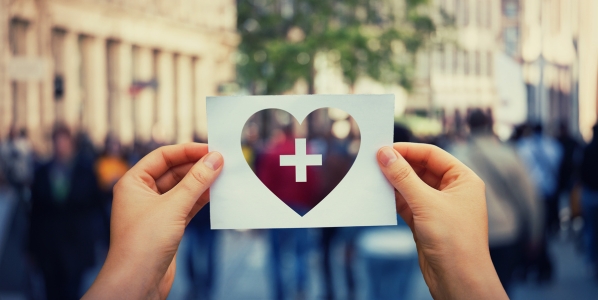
point(153, 203)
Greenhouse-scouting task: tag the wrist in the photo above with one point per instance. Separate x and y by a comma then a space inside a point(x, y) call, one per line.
point(470, 279)
point(120, 278)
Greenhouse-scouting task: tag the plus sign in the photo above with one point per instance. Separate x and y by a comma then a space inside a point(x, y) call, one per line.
point(300, 160)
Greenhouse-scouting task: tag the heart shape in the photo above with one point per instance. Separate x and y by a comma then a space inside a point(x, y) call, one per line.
point(301, 163)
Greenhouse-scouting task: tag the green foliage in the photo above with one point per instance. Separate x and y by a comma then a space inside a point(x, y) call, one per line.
point(375, 38)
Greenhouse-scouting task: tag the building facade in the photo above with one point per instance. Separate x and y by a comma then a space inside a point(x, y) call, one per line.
point(458, 75)
point(136, 69)
point(522, 60)
point(559, 54)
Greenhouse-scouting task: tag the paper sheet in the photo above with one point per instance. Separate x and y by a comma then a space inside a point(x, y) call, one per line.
point(240, 200)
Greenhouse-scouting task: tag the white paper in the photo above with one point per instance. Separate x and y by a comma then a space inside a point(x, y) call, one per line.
point(238, 198)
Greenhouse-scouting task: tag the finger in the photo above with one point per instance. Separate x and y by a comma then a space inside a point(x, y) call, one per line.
point(403, 209)
point(164, 158)
point(199, 204)
point(400, 174)
point(197, 181)
point(172, 177)
point(436, 160)
point(426, 176)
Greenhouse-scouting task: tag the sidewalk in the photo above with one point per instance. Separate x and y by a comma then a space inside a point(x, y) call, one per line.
point(572, 278)
point(243, 273)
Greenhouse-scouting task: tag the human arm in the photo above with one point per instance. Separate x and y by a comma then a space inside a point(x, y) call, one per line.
point(153, 203)
point(443, 202)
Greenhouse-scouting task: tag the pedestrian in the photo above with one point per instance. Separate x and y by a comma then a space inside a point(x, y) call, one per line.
point(297, 196)
point(589, 199)
point(14, 224)
point(542, 155)
point(569, 167)
point(16, 157)
point(65, 213)
point(514, 218)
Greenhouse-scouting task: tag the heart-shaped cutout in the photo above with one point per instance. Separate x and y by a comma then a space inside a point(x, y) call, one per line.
point(301, 163)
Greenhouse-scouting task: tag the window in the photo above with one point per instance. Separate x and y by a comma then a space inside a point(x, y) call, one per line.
point(489, 14)
point(511, 39)
point(466, 62)
point(479, 8)
point(457, 12)
point(17, 36)
point(442, 59)
point(489, 64)
point(510, 9)
point(465, 12)
point(455, 61)
point(477, 62)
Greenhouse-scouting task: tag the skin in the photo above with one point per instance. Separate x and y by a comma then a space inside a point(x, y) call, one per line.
point(444, 204)
point(153, 203)
point(442, 201)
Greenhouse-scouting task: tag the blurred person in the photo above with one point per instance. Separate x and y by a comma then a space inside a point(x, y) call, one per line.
point(84, 145)
point(16, 157)
point(568, 183)
point(197, 259)
point(347, 236)
point(298, 198)
point(568, 169)
point(109, 167)
point(518, 132)
point(340, 162)
point(14, 223)
point(441, 200)
point(589, 198)
point(542, 156)
point(65, 213)
point(514, 219)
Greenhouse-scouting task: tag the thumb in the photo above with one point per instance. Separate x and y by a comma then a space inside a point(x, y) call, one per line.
point(400, 174)
point(198, 179)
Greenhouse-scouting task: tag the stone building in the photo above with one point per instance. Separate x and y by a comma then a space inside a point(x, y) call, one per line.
point(559, 55)
point(138, 69)
point(459, 75)
point(550, 46)
point(453, 75)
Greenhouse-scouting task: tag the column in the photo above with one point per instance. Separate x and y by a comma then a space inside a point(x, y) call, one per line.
point(205, 85)
point(5, 94)
point(47, 103)
point(165, 129)
point(125, 127)
point(32, 107)
point(143, 103)
point(96, 96)
point(72, 104)
point(121, 75)
point(184, 93)
point(588, 68)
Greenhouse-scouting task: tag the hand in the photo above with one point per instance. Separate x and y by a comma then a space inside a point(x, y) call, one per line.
point(444, 204)
point(153, 203)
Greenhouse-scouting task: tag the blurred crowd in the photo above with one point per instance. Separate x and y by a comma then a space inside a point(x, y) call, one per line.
point(537, 186)
point(55, 212)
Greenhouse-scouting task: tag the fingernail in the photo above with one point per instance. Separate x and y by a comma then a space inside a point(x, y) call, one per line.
point(213, 160)
point(387, 156)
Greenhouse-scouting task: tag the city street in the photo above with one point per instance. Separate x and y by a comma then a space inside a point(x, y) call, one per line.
point(243, 272)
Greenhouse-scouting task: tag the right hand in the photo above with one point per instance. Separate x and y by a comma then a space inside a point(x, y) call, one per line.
point(444, 204)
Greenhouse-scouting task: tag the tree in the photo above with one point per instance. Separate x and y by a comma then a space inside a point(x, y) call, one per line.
point(375, 38)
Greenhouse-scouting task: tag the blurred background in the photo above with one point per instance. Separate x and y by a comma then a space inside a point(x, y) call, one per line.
point(508, 86)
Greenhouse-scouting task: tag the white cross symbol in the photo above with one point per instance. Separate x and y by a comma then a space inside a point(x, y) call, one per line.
point(300, 160)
